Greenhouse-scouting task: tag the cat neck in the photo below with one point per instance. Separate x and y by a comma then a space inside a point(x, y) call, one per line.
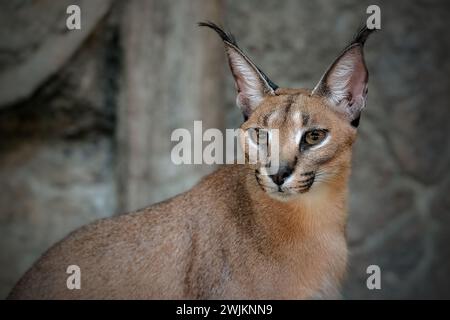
point(322, 208)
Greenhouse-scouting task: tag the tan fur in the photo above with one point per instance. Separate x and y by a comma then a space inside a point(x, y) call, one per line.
point(239, 233)
point(225, 238)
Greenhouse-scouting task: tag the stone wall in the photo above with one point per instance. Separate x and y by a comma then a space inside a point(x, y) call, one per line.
point(56, 145)
point(399, 206)
point(66, 114)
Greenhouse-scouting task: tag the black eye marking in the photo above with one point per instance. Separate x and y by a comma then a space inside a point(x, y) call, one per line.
point(259, 136)
point(254, 135)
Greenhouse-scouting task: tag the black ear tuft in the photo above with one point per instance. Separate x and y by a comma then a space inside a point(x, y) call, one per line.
point(344, 84)
point(226, 36)
point(362, 35)
point(251, 83)
point(229, 38)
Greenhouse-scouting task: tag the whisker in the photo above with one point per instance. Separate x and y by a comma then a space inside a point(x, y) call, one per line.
point(301, 190)
point(261, 182)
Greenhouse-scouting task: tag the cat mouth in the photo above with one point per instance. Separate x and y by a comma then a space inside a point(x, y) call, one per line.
point(302, 186)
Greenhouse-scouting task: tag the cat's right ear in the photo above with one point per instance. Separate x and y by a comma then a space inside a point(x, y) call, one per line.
point(251, 83)
point(344, 84)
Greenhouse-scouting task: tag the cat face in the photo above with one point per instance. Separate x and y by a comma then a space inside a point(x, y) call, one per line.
point(315, 128)
point(314, 142)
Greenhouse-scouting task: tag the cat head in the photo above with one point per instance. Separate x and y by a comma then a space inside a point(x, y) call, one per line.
point(315, 128)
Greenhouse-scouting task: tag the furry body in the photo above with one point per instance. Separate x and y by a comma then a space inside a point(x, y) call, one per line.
point(202, 251)
point(240, 233)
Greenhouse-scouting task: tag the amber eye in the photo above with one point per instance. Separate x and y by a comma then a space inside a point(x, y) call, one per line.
point(314, 136)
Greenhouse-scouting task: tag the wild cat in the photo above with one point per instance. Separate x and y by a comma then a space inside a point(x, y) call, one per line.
point(239, 233)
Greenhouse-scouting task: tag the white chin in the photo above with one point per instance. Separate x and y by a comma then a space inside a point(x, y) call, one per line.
point(283, 196)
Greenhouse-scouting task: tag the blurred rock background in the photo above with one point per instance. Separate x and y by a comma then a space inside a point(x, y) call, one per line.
point(86, 117)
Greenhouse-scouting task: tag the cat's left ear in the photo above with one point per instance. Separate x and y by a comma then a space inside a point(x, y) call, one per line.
point(344, 84)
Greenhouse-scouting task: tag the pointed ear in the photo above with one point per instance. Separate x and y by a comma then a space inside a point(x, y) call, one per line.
point(344, 84)
point(251, 83)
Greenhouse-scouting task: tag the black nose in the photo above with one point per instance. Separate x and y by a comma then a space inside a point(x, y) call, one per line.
point(283, 173)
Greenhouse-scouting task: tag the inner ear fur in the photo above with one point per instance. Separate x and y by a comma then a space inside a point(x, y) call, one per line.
point(251, 83)
point(344, 84)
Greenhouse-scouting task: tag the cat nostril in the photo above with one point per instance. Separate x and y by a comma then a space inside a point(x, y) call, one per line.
point(282, 174)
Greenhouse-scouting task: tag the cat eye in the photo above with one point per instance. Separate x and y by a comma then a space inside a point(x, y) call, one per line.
point(315, 136)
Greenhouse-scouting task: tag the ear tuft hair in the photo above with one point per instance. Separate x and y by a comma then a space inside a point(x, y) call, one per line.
point(251, 83)
point(344, 84)
point(362, 35)
point(229, 39)
point(225, 36)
